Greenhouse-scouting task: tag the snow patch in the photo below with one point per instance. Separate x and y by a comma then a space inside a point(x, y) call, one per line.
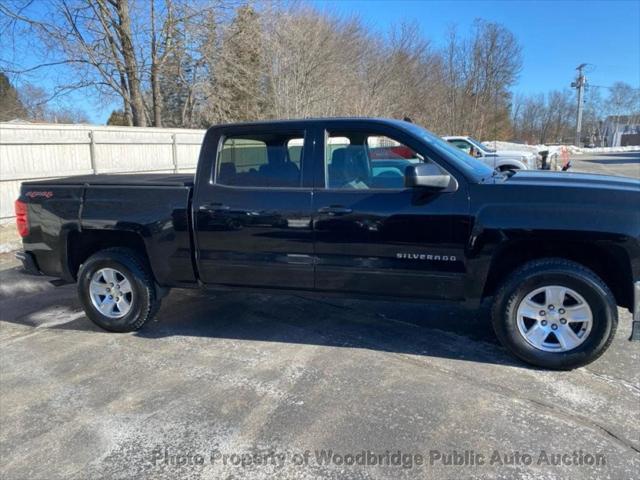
point(499, 145)
point(9, 247)
point(582, 150)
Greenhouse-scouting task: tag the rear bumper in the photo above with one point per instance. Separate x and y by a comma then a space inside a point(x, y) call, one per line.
point(635, 330)
point(28, 262)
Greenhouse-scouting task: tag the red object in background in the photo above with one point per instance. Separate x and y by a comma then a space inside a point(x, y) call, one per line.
point(22, 218)
point(403, 151)
point(387, 153)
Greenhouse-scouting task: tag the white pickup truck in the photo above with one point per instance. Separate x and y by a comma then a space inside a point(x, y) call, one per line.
point(499, 159)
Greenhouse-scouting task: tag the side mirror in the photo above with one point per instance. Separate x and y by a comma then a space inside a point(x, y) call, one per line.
point(428, 176)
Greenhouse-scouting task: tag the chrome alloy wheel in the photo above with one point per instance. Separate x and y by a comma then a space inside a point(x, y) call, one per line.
point(554, 318)
point(111, 293)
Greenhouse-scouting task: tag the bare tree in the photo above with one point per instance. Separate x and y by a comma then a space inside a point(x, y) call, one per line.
point(624, 99)
point(545, 119)
point(38, 108)
point(311, 60)
point(593, 116)
point(188, 75)
point(93, 37)
point(193, 63)
point(117, 47)
point(480, 71)
point(117, 30)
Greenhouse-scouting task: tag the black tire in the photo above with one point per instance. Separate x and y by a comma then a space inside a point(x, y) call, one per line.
point(144, 304)
point(555, 271)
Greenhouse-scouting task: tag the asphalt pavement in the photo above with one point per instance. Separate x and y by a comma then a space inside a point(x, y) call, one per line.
point(230, 386)
point(624, 163)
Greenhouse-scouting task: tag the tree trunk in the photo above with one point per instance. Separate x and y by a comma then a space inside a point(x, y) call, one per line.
point(131, 67)
point(127, 113)
point(157, 98)
point(155, 72)
point(126, 101)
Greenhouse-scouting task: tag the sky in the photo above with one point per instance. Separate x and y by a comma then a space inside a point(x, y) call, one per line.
point(555, 36)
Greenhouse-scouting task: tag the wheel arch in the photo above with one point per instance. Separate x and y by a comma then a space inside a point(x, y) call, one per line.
point(82, 244)
point(608, 261)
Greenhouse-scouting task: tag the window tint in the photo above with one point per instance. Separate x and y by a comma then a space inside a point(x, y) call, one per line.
point(478, 144)
point(260, 161)
point(361, 161)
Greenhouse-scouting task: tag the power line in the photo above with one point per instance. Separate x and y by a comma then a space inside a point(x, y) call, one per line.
point(607, 87)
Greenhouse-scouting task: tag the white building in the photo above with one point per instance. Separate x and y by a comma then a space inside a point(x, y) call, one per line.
point(621, 130)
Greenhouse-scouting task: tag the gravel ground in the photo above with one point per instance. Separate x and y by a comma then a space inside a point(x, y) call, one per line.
point(256, 386)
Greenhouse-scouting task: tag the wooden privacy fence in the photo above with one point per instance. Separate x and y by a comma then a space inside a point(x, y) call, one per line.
point(41, 151)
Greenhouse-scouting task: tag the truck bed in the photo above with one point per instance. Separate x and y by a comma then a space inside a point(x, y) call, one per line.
point(142, 179)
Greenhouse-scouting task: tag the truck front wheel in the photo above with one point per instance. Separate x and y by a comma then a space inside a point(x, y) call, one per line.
point(554, 313)
point(117, 291)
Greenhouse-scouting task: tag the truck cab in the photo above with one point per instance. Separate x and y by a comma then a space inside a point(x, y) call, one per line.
point(503, 160)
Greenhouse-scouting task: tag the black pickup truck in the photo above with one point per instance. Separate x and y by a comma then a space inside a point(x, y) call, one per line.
point(354, 207)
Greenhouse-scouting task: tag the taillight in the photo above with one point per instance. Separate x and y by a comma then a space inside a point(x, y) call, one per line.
point(22, 218)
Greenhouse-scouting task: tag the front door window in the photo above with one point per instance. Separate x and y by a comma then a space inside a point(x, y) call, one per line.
point(361, 161)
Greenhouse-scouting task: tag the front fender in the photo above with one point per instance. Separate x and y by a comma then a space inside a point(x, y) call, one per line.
point(529, 226)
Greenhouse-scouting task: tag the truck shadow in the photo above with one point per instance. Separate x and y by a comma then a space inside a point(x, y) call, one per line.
point(397, 327)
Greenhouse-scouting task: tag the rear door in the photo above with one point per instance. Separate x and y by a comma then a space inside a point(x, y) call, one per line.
point(252, 210)
point(375, 236)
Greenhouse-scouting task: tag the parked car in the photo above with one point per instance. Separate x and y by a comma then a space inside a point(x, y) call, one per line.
point(301, 206)
point(502, 160)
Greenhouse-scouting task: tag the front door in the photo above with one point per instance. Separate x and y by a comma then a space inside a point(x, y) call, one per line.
point(375, 236)
point(253, 218)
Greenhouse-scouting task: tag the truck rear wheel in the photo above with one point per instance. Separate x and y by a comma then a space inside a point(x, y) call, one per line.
point(117, 291)
point(554, 313)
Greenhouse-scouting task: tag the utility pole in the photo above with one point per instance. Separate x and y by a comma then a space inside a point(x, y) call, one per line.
point(579, 84)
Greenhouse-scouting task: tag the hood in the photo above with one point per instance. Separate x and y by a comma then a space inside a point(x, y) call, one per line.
point(543, 178)
point(513, 153)
point(561, 202)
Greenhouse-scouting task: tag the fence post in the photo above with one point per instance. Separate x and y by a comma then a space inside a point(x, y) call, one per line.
point(174, 153)
point(92, 152)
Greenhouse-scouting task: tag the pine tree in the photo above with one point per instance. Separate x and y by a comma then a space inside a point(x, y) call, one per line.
point(241, 70)
point(11, 107)
point(117, 118)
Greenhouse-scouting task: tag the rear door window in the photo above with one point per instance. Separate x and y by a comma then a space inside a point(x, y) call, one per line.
point(294, 150)
point(267, 160)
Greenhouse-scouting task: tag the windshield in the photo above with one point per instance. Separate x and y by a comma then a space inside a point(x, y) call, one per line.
point(460, 159)
point(480, 145)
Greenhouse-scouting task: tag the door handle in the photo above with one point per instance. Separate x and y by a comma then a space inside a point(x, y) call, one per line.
point(213, 207)
point(335, 210)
